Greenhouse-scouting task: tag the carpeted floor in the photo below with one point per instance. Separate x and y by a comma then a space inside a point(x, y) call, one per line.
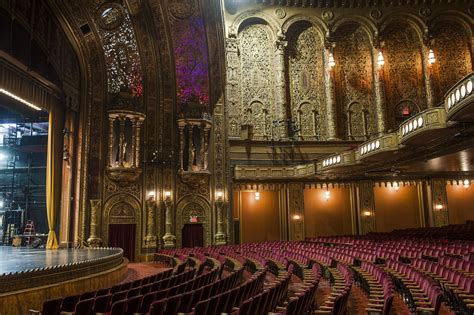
point(141, 270)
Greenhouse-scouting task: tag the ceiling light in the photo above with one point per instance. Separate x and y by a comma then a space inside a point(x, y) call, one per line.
point(19, 99)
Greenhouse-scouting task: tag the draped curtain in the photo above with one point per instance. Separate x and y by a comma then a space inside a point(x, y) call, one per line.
point(193, 235)
point(123, 236)
point(52, 242)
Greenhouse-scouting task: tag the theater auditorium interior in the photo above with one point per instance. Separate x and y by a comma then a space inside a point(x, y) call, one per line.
point(253, 157)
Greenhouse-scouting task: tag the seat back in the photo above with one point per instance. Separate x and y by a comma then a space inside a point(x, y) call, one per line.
point(133, 304)
point(102, 303)
point(84, 306)
point(118, 308)
point(158, 307)
point(69, 303)
point(52, 307)
point(172, 305)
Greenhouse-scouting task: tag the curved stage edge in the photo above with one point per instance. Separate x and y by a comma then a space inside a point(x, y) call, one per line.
point(30, 276)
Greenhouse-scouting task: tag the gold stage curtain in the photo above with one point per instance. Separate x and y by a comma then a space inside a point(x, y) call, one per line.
point(50, 183)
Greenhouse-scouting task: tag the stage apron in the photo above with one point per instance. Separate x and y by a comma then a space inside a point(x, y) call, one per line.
point(123, 236)
point(192, 235)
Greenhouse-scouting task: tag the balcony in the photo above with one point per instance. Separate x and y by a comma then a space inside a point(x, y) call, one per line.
point(377, 149)
point(459, 101)
point(338, 161)
point(424, 127)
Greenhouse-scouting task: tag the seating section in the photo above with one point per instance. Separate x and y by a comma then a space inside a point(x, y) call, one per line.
point(421, 268)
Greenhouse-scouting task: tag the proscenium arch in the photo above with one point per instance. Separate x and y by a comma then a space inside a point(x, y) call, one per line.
point(180, 220)
point(136, 206)
point(253, 17)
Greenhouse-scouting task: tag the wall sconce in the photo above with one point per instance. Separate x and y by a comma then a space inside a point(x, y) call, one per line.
point(219, 194)
point(431, 57)
point(296, 217)
point(439, 206)
point(327, 195)
point(466, 183)
point(367, 213)
point(395, 186)
point(151, 195)
point(257, 195)
point(380, 59)
point(331, 60)
point(167, 195)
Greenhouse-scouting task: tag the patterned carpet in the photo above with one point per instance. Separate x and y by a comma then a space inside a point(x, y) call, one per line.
point(141, 270)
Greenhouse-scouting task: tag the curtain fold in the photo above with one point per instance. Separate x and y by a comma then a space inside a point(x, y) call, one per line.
point(52, 242)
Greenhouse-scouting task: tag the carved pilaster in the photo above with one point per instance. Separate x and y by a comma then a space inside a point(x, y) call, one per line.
point(168, 239)
point(330, 96)
point(427, 74)
point(296, 211)
point(439, 202)
point(134, 142)
point(111, 141)
point(94, 240)
point(220, 238)
point(181, 147)
point(366, 207)
point(206, 148)
point(379, 90)
point(280, 88)
point(191, 153)
point(122, 145)
point(150, 238)
point(232, 95)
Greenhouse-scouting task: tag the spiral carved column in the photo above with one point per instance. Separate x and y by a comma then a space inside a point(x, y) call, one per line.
point(94, 240)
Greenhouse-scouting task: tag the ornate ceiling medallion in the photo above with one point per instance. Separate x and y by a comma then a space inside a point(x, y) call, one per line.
point(280, 13)
point(110, 15)
point(182, 9)
point(327, 15)
point(376, 14)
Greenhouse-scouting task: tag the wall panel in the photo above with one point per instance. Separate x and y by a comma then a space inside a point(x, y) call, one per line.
point(460, 203)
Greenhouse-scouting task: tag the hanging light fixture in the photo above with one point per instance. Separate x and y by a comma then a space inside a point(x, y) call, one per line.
point(380, 59)
point(466, 183)
point(431, 57)
point(331, 60)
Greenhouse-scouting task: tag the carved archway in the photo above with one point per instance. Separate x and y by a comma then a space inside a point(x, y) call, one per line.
point(122, 209)
point(194, 206)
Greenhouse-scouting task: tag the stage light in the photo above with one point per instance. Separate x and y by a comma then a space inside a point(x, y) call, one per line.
point(431, 57)
point(296, 217)
point(257, 195)
point(19, 99)
point(466, 183)
point(380, 59)
point(331, 61)
point(327, 195)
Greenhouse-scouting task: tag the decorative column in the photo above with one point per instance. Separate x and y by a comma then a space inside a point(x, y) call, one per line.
point(150, 238)
point(280, 88)
point(111, 141)
point(329, 92)
point(168, 239)
point(190, 148)
point(220, 238)
point(138, 133)
point(439, 203)
point(295, 209)
point(366, 207)
point(121, 140)
point(134, 141)
point(181, 146)
point(206, 147)
point(94, 240)
point(427, 70)
point(379, 90)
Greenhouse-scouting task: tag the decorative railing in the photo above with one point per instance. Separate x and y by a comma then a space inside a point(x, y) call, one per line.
point(433, 118)
point(459, 95)
point(274, 171)
point(342, 159)
point(388, 142)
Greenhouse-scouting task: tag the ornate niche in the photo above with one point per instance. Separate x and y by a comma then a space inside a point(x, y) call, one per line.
point(124, 146)
point(193, 209)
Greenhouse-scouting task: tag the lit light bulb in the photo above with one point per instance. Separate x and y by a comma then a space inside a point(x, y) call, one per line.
point(331, 60)
point(327, 194)
point(466, 183)
point(367, 213)
point(296, 217)
point(380, 59)
point(219, 194)
point(151, 194)
point(167, 194)
point(395, 186)
point(431, 57)
point(257, 195)
point(439, 206)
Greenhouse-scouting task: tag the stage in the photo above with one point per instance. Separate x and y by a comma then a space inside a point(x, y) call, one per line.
point(35, 275)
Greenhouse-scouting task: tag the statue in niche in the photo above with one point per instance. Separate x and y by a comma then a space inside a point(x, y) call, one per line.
point(193, 155)
point(121, 156)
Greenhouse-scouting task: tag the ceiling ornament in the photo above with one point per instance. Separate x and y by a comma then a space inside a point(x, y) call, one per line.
point(182, 9)
point(280, 13)
point(327, 15)
point(110, 15)
point(376, 14)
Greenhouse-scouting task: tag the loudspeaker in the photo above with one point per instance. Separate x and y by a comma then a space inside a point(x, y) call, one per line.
point(246, 132)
